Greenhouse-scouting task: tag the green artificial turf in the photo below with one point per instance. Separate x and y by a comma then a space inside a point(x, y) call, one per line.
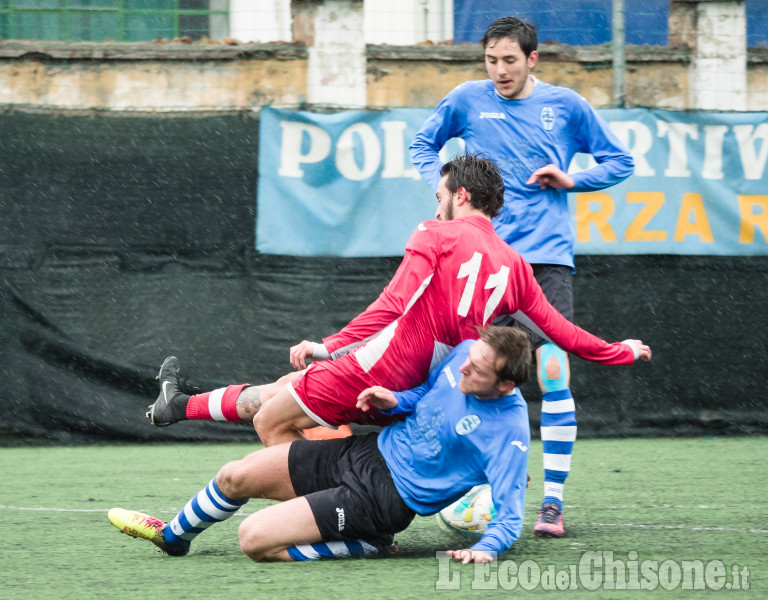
point(652, 503)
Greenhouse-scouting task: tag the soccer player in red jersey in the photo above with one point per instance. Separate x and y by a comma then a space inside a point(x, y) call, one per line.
point(456, 275)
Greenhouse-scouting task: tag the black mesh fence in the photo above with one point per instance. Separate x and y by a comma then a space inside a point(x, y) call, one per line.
point(124, 239)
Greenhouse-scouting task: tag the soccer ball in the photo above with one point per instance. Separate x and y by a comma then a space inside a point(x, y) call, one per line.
point(467, 519)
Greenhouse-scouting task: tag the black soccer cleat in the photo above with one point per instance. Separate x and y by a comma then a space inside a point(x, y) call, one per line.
point(171, 404)
point(386, 545)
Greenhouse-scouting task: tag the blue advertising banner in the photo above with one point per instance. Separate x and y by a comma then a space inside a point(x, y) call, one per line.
point(342, 185)
point(339, 184)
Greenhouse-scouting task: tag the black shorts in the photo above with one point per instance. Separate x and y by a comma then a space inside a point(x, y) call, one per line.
point(556, 282)
point(349, 488)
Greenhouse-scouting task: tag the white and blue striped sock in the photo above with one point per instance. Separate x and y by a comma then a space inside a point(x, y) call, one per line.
point(207, 507)
point(356, 549)
point(558, 432)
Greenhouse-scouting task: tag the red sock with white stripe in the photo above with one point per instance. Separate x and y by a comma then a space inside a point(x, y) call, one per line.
point(217, 405)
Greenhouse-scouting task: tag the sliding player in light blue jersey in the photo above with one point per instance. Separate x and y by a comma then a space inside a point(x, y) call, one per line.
point(466, 425)
point(532, 130)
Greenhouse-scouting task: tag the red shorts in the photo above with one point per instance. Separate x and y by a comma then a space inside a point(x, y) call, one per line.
point(327, 391)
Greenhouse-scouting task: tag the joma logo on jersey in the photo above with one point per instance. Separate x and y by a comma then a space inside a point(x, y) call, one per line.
point(547, 118)
point(449, 375)
point(492, 115)
point(468, 424)
point(342, 519)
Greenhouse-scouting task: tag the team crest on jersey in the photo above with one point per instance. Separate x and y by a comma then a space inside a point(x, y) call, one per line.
point(468, 424)
point(547, 118)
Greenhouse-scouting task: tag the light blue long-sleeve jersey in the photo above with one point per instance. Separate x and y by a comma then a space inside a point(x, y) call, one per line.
point(450, 442)
point(547, 127)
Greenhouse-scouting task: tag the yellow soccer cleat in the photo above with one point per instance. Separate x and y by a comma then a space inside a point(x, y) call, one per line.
point(148, 528)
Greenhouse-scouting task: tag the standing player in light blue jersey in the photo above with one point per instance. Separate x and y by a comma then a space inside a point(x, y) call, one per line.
point(532, 130)
point(466, 425)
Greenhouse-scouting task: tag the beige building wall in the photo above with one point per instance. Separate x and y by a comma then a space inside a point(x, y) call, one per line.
point(422, 75)
point(151, 77)
point(219, 77)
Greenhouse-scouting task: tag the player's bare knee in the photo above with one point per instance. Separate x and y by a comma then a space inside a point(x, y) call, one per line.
point(230, 479)
point(249, 536)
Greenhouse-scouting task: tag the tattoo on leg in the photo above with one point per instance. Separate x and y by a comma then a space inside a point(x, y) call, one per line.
point(249, 403)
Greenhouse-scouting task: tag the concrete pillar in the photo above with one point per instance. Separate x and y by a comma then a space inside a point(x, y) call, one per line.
point(718, 74)
point(336, 61)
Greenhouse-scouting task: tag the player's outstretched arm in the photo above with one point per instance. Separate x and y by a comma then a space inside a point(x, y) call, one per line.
point(378, 397)
point(467, 556)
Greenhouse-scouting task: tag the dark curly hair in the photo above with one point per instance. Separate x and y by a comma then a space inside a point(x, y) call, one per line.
point(515, 29)
point(480, 177)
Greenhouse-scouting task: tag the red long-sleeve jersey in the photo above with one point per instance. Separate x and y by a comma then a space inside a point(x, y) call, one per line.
point(455, 276)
